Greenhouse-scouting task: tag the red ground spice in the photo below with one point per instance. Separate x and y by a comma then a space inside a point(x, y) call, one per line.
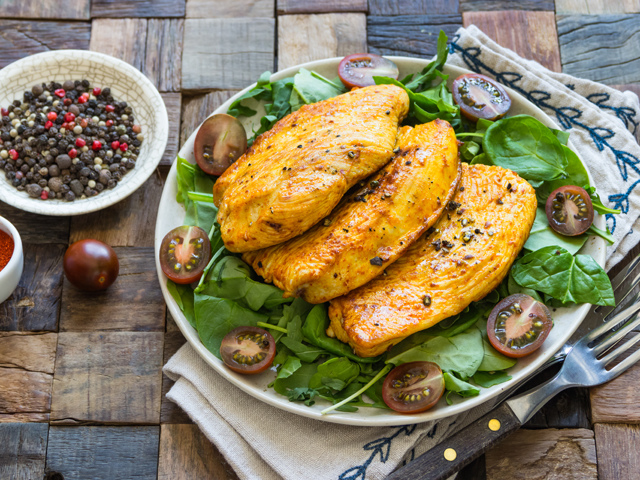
point(6, 249)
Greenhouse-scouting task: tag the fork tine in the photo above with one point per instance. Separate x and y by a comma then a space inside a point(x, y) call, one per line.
point(620, 282)
point(628, 298)
point(623, 365)
point(617, 336)
point(605, 327)
point(620, 350)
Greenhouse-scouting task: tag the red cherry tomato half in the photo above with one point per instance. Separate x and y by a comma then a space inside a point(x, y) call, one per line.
point(220, 141)
point(248, 350)
point(480, 97)
point(413, 387)
point(518, 325)
point(358, 70)
point(90, 265)
point(184, 254)
point(569, 210)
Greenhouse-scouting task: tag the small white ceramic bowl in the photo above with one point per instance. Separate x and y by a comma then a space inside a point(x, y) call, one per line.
point(127, 84)
point(11, 273)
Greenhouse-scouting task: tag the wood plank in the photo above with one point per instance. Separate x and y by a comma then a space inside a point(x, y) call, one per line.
point(534, 39)
point(476, 470)
point(169, 411)
point(496, 5)
point(173, 102)
point(409, 35)
point(76, 10)
point(235, 50)
point(233, 8)
point(618, 449)
point(413, 7)
point(185, 453)
point(21, 38)
point(535, 454)
point(321, 6)
point(29, 417)
point(108, 377)
point(569, 409)
point(36, 353)
point(196, 108)
point(22, 391)
point(123, 38)
point(163, 62)
point(130, 222)
point(23, 450)
point(137, 8)
point(595, 7)
point(37, 228)
point(328, 35)
point(103, 453)
point(617, 400)
point(584, 38)
point(35, 303)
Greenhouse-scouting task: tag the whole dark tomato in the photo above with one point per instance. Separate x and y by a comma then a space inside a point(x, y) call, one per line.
point(480, 97)
point(413, 387)
point(184, 253)
point(91, 265)
point(220, 141)
point(569, 210)
point(358, 70)
point(248, 350)
point(518, 325)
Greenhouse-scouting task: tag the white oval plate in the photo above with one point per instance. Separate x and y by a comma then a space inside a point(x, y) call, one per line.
point(127, 84)
point(566, 320)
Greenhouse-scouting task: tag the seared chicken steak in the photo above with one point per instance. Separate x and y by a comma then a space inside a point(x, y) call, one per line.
point(297, 172)
point(468, 253)
point(371, 228)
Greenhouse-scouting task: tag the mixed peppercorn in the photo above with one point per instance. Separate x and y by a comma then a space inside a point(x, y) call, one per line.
point(67, 141)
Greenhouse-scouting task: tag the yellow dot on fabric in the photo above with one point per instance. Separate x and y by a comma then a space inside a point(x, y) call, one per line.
point(494, 425)
point(450, 454)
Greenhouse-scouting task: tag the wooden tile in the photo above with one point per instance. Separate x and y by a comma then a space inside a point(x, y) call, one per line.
point(28, 351)
point(328, 35)
point(594, 7)
point(121, 38)
point(137, 8)
point(496, 5)
point(409, 35)
point(584, 39)
point(230, 8)
point(22, 391)
point(133, 303)
point(321, 6)
point(617, 400)
point(130, 222)
point(173, 102)
point(21, 38)
point(23, 449)
point(170, 412)
point(196, 108)
point(30, 417)
point(103, 453)
point(565, 454)
point(37, 228)
point(185, 454)
point(618, 451)
point(109, 377)
point(163, 62)
point(412, 7)
point(76, 10)
point(35, 304)
point(533, 35)
point(235, 51)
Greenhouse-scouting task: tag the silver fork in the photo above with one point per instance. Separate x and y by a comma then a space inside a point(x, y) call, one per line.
point(584, 366)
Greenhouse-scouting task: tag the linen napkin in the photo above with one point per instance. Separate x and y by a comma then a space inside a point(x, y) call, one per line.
point(263, 442)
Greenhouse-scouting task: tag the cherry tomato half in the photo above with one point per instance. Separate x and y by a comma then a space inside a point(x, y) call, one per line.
point(480, 97)
point(90, 265)
point(220, 141)
point(248, 350)
point(358, 70)
point(184, 254)
point(413, 387)
point(569, 210)
point(518, 325)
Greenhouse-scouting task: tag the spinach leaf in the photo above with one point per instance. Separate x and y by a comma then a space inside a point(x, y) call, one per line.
point(561, 135)
point(459, 323)
point(294, 329)
point(514, 288)
point(296, 385)
point(554, 271)
point(492, 359)
point(526, 146)
point(489, 379)
point(336, 373)
point(303, 352)
point(459, 387)
point(183, 295)
point(311, 87)
point(433, 70)
point(289, 367)
point(542, 235)
point(574, 174)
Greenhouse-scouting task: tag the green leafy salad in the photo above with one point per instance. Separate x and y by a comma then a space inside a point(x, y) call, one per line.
point(309, 365)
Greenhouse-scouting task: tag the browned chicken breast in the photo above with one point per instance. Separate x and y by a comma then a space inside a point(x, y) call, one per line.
point(370, 229)
point(466, 256)
point(297, 172)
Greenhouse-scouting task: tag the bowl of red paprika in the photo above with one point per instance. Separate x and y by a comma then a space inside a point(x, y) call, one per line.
point(11, 258)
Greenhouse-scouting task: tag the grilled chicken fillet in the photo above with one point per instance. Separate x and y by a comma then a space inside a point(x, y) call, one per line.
point(371, 228)
point(468, 254)
point(297, 172)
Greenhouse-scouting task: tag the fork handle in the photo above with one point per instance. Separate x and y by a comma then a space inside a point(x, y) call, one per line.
point(453, 454)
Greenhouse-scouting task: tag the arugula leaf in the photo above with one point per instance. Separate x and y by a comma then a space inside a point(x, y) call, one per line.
point(554, 271)
point(433, 70)
point(542, 235)
point(604, 234)
point(598, 206)
point(459, 387)
point(296, 385)
point(183, 295)
point(489, 379)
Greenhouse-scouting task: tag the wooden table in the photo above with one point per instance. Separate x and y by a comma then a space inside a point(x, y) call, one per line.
point(82, 394)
